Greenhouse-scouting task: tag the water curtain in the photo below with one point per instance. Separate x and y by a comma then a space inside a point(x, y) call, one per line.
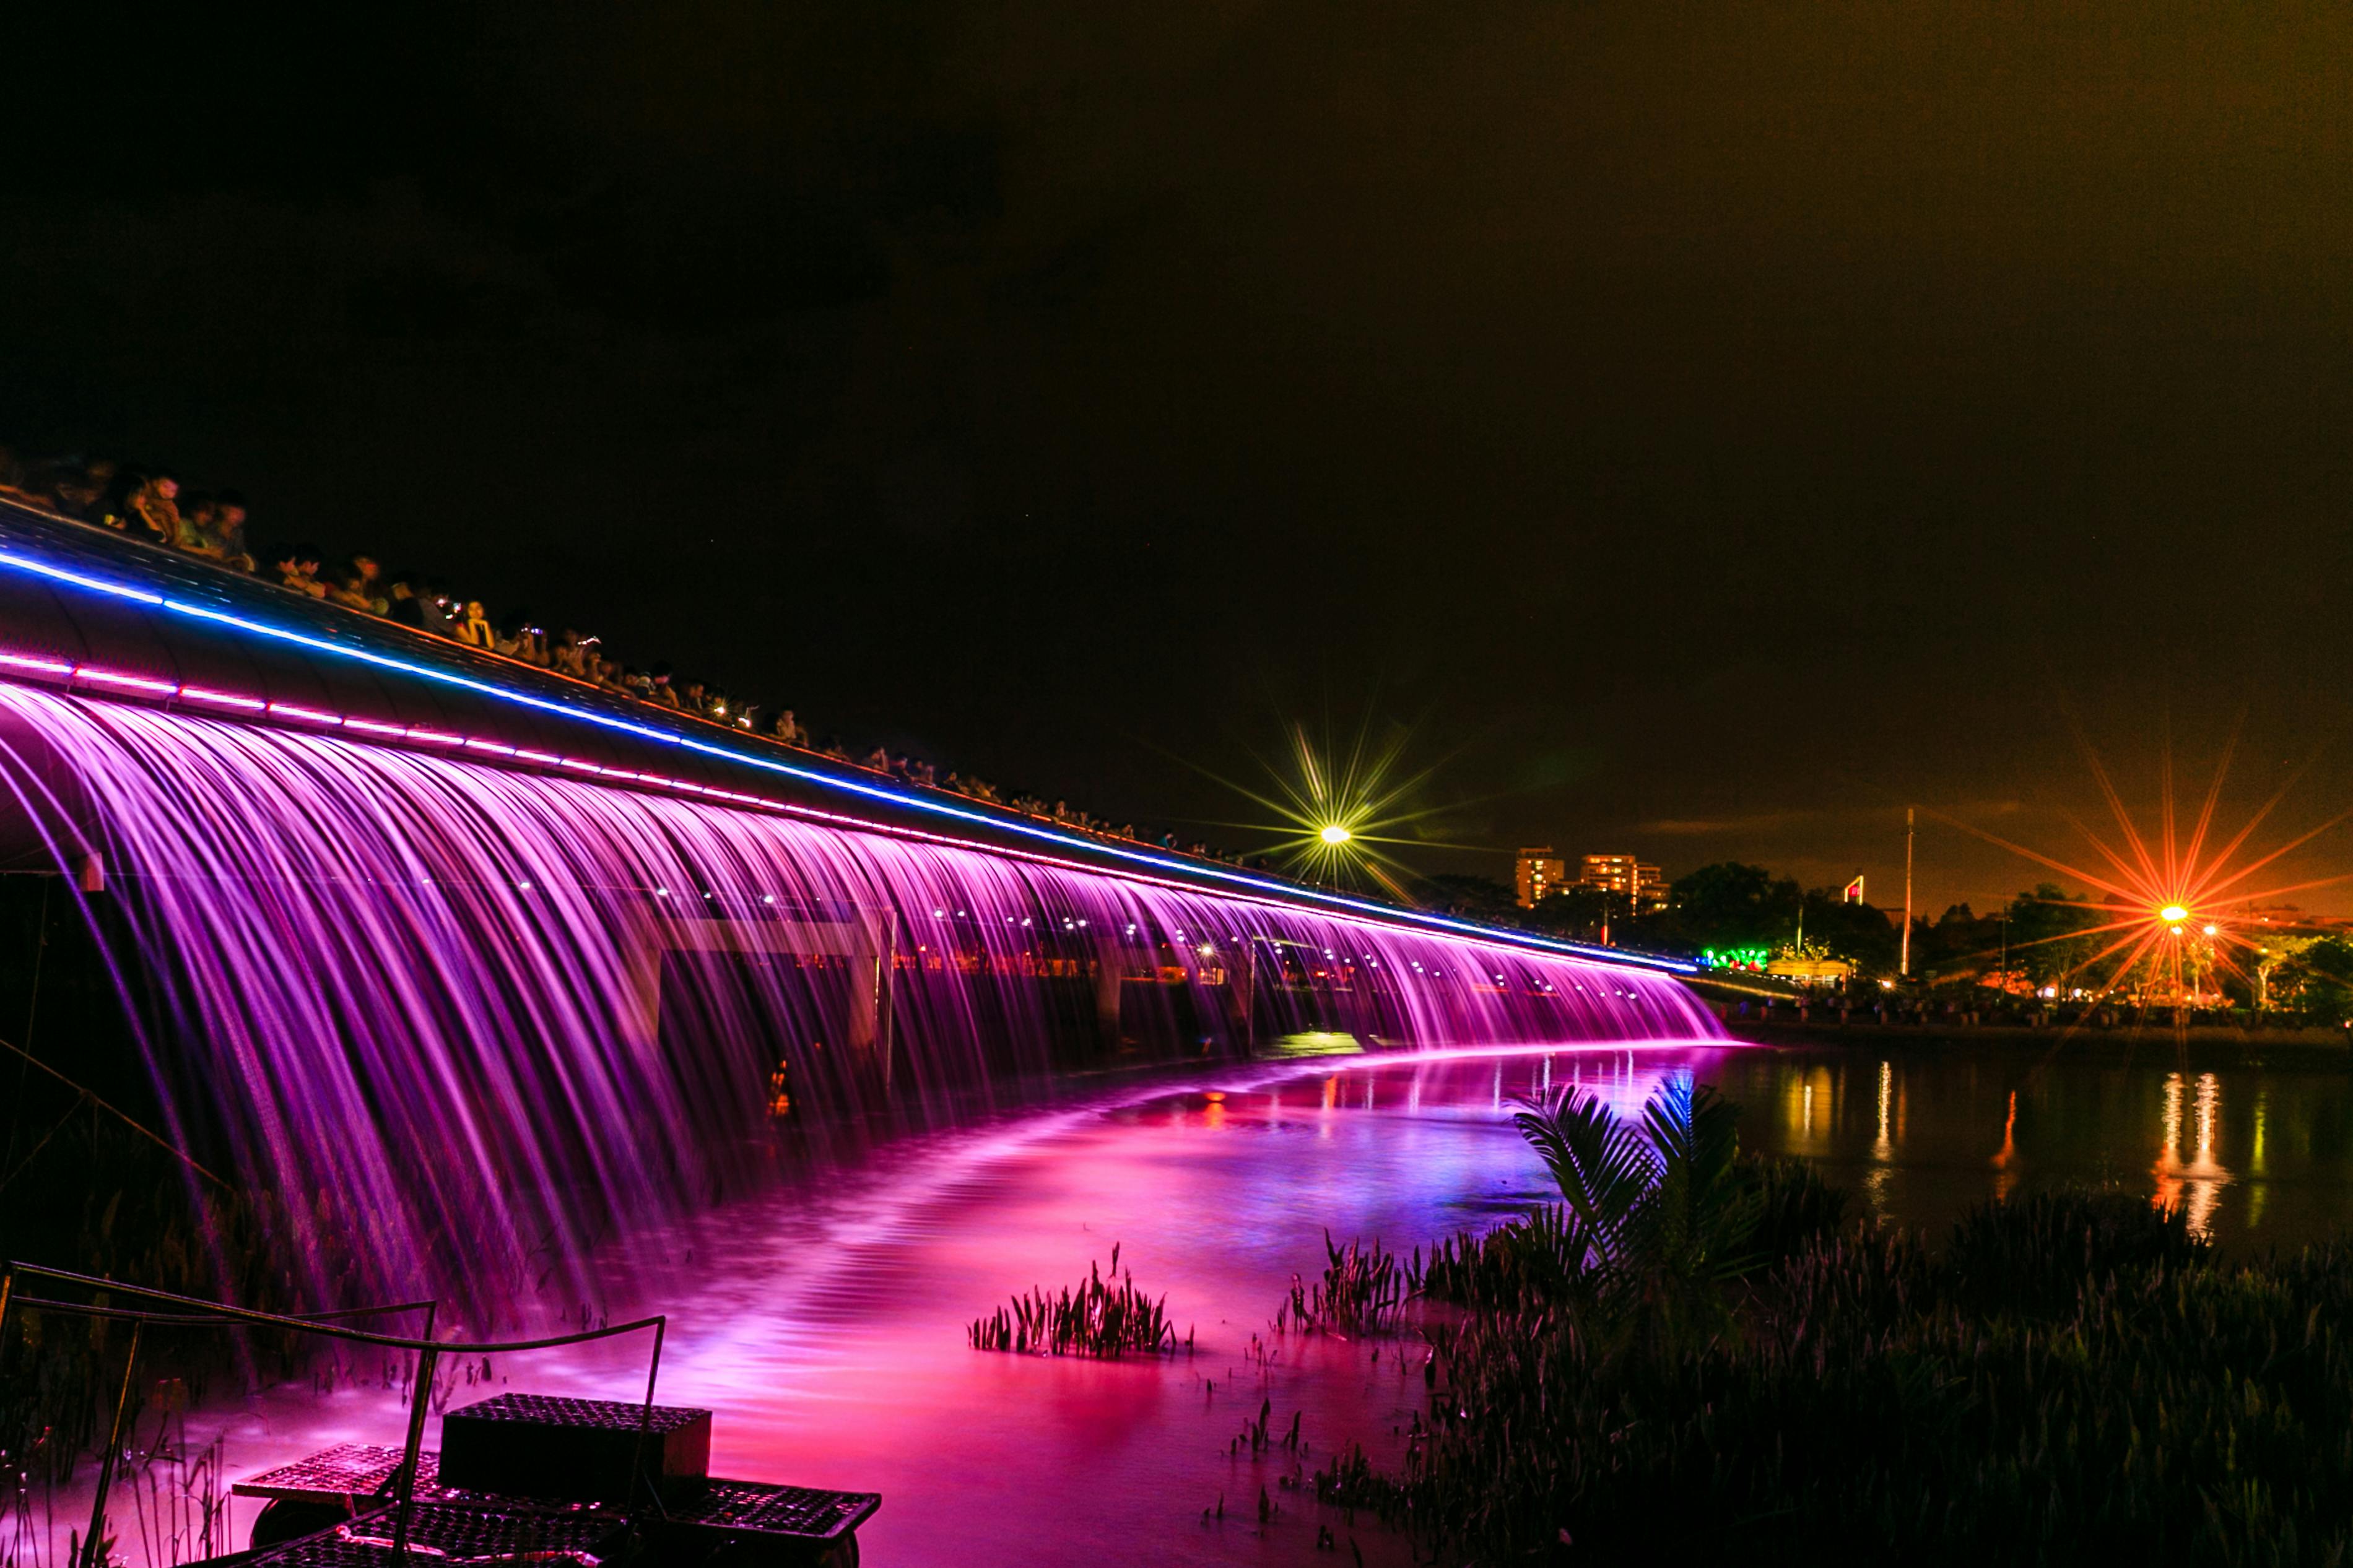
point(461, 1019)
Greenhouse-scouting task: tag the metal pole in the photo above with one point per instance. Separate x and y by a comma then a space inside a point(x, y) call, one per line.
point(1906, 964)
point(93, 1554)
point(420, 1400)
point(646, 1421)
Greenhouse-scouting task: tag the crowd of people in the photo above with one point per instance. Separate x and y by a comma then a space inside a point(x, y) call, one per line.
point(154, 507)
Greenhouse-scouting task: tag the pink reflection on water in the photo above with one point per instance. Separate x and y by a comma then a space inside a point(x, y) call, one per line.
point(827, 1329)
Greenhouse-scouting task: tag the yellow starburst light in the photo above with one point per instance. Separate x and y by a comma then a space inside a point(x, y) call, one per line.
point(1339, 806)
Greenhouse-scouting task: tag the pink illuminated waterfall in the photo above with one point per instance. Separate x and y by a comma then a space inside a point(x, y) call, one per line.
point(453, 1014)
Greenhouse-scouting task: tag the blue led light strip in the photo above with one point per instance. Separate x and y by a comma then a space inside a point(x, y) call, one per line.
point(1257, 888)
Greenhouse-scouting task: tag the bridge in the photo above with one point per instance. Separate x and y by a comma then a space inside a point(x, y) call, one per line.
point(106, 616)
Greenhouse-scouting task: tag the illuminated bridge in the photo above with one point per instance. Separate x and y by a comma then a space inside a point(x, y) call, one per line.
point(469, 948)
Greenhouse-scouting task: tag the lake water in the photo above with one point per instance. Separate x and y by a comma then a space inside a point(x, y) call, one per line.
point(2258, 1151)
point(827, 1326)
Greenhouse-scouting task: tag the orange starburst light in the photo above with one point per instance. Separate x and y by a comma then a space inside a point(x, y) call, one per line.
point(2154, 891)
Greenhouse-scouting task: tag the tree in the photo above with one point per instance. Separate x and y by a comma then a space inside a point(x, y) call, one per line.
point(1960, 944)
point(2043, 921)
point(1859, 933)
point(1727, 905)
point(2324, 977)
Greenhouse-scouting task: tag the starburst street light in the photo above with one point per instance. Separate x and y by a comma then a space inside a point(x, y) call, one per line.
point(2154, 891)
point(1337, 806)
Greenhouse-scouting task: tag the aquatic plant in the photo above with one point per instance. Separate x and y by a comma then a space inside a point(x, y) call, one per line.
point(1656, 1219)
point(1362, 1288)
point(1101, 1318)
point(2071, 1378)
point(1521, 1265)
point(1530, 1261)
point(1794, 1206)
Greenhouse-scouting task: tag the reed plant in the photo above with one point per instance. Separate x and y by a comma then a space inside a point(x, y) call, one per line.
point(1104, 1318)
point(1362, 1288)
point(93, 1195)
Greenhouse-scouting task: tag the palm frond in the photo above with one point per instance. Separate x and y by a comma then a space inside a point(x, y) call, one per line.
point(1601, 1165)
point(1706, 1220)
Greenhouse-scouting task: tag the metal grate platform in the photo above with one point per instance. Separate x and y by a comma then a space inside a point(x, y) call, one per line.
point(539, 1445)
point(333, 1475)
point(465, 1525)
point(762, 1509)
point(456, 1535)
point(579, 1415)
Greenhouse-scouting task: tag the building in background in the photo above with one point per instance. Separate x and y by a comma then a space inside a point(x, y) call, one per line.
point(2285, 918)
point(1541, 873)
point(1642, 885)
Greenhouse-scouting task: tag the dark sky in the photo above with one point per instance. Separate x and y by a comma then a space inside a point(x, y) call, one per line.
point(1710, 429)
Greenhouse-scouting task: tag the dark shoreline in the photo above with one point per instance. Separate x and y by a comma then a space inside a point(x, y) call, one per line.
point(2210, 1043)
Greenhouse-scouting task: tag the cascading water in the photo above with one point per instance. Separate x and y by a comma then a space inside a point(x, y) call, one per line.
point(452, 1013)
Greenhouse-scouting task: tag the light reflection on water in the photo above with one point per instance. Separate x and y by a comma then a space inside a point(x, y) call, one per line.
point(828, 1327)
point(2255, 1153)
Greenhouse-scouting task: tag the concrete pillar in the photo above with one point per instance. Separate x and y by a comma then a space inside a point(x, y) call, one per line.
point(1111, 975)
point(864, 940)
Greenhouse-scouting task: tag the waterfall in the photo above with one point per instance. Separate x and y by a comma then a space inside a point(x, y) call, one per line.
point(459, 1017)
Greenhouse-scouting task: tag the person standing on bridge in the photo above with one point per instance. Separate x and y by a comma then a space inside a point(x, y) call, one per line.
point(524, 641)
point(297, 568)
point(156, 503)
point(474, 628)
point(229, 532)
point(402, 606)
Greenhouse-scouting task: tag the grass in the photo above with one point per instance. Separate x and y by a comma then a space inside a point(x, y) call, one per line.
point(1362, 1288)
point(95, 1198)
point(2068, 1378)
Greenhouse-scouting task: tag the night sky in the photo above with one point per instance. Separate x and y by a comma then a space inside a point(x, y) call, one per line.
point(1709, 430)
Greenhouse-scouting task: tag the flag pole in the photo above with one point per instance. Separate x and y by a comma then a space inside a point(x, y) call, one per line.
point(1906, 965)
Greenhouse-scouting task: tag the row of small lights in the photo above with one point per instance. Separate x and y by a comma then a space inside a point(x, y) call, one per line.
point(127, 684)
point(169, 691)
point(115, 681)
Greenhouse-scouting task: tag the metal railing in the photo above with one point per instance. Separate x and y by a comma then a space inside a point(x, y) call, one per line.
point(221, 1315)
